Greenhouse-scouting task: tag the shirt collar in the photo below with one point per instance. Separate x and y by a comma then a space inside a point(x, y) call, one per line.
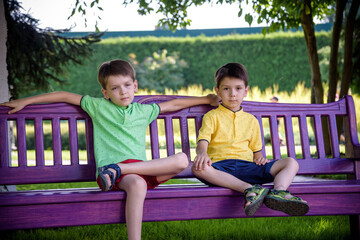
point(229, 111)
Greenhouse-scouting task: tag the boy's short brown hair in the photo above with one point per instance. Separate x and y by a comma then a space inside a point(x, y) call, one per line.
point(235, 70)
point(114, 68)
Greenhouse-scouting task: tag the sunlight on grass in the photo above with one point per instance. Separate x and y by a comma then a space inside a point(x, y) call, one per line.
point(305, 228)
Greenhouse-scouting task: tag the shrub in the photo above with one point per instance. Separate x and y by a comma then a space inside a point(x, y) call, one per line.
point(160, 71)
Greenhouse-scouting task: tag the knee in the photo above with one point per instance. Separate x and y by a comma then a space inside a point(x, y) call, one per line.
point(200, 173)
point(138, 187)
point(181, 161)
point(292, 163)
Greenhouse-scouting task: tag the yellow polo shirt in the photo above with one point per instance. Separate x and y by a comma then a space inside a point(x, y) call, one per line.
point(231, 135)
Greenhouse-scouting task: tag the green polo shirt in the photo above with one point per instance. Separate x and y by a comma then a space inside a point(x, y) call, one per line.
point(119, 132)
point(231, 135)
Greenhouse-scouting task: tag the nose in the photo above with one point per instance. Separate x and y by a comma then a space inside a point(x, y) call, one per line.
point(232, 92)
point(122, 90)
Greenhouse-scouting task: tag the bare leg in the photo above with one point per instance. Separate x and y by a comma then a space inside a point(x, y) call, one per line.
point(135, 188)
point(171, 165)
point(284, 171)
point(226, 180)
point(280, 199)
point(163, 168)
point(221, 179)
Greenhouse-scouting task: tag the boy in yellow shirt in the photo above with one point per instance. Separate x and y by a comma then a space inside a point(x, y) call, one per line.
point(229, 150)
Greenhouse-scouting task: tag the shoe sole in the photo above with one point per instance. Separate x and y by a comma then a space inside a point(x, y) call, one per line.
point(104, 184)
point(253, 207)
point(293, 208)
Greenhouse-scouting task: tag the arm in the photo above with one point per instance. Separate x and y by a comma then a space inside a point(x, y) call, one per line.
point(180, 103)
point(52, 97)
point(202, 159)
point(259, 158)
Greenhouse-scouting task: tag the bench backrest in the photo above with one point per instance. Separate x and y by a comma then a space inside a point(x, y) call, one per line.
point(294, 121)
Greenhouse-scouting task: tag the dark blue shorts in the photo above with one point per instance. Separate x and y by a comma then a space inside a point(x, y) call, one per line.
point(246, 171)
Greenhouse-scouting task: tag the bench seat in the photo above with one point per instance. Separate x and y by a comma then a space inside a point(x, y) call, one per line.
point(87, 206)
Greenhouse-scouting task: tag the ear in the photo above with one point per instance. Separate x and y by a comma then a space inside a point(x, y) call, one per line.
point(216, 90)
point(135, 86)
point(246, 91)
point(105, 93)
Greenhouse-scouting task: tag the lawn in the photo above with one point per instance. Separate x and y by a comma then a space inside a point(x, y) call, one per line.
point(311, 227)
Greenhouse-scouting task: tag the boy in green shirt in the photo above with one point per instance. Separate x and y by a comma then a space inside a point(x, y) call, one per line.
point(119, 136)
point(229, 150)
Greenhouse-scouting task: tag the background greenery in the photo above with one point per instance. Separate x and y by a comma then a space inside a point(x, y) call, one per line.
point(278, 58)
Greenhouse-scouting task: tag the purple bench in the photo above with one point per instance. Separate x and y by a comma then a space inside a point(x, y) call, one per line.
point(86, 206)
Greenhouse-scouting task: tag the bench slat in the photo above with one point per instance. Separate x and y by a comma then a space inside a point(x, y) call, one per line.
point(263, 150)
point(169, 134)
point(56, 138)
point(73, 137)
point(21, 142)
point(319, 137)
point(334, 136)
point(304, 137)
point(4, 144)
point(154, 140)
point(290, 143)
point(39, 141)
point(184, 132)
point(274, 129)
point(89, 142)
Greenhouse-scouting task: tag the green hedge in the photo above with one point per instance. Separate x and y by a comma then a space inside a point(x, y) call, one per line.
point(279, 58)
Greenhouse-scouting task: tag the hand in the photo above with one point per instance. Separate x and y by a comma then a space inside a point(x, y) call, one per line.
point(261, 161)
point(214, 99)
point(201, 160)
point(16, 105)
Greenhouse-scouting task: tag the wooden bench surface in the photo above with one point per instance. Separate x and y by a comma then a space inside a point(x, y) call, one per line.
point(41, 173)
point(172, 202)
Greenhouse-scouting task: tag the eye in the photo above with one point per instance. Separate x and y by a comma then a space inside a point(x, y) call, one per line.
point(113, 89)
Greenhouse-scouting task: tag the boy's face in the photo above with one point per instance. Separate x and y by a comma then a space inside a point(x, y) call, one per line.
point(232, 92)
point(120, 90)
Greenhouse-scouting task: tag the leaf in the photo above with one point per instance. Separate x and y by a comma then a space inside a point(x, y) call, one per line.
point(249, 18)
point(240, 12)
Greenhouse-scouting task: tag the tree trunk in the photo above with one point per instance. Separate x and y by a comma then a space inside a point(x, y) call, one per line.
point(333, 65)
point(348, 46)
point(317, 92)
point(309, 32)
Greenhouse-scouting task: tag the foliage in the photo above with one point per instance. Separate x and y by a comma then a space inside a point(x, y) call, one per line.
point(174, 12)
point(277, 59)
point(160, 71)
point(35, 56)
point(283, 14)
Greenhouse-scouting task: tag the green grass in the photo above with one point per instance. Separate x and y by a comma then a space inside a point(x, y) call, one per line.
point(318, 227)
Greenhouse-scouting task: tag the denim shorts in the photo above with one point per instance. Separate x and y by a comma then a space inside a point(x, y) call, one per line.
point(246, 171)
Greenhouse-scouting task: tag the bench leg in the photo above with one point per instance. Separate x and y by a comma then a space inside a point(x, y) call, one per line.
point(355, 226)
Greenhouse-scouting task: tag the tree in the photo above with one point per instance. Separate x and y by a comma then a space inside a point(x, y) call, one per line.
point(37, 57)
